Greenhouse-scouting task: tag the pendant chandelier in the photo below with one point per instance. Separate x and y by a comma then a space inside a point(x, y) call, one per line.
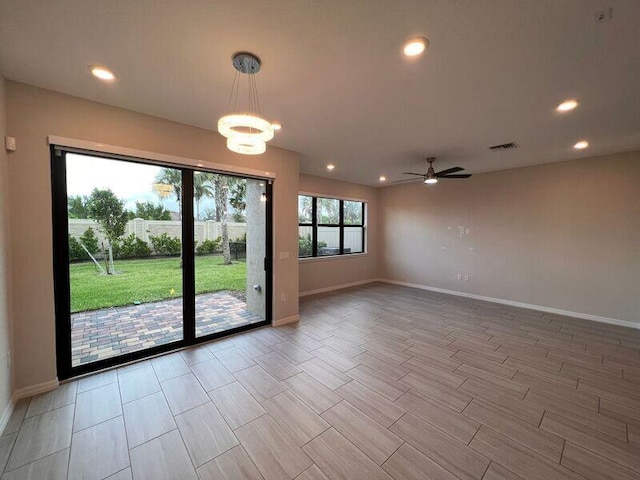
point(246, 133)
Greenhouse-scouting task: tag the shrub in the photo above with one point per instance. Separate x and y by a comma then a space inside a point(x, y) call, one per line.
point(305, 246)
point(131, 247)
point(76, 252)
point(238, 217)
point(209, 246)
point(166, 245)
point(89, 240)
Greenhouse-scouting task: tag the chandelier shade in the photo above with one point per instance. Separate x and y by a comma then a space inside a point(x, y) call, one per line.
point(246, 133)
point(250, 125)
point(246, 145)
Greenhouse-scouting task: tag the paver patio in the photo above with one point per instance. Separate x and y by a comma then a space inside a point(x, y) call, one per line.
point(109, 332)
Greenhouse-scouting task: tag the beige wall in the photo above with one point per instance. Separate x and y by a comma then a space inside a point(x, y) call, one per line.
point(5, 283)
point(564, 235)
point(33, 114)
point(316, 274)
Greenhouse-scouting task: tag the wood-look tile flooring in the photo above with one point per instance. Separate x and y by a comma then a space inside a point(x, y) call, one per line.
point(378, 382)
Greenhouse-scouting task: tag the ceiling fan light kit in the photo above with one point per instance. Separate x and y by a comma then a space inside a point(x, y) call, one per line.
point(246, 133)
point(431, 177)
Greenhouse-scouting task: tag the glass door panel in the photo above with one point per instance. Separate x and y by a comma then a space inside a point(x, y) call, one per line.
point(125, 257)
point(230, 244)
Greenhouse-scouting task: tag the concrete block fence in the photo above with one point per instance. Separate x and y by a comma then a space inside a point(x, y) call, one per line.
point(144, 229)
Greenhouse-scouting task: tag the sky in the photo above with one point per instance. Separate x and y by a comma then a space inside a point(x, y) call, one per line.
point(130, 182)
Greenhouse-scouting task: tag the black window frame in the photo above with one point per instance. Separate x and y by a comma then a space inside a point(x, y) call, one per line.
point(61, 282)
point(341, 225)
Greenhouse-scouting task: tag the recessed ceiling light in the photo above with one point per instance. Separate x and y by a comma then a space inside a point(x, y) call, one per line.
point(415, 46)
point(567, 106)
point(276, 126)
point(102, 73)
point(383, 178)
point(582, 144)
point(331, 166)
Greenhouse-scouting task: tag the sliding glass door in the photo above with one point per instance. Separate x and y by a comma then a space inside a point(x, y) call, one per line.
point(149, 258)
point(230, 243)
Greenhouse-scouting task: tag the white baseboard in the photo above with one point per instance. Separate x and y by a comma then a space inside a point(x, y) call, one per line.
point(540, 308)
point(24, 393)
point(6, 415)
point(36, 389)
point(285, 321)
point(337, 287)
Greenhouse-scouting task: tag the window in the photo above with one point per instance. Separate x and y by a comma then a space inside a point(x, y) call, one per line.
point(330, 226)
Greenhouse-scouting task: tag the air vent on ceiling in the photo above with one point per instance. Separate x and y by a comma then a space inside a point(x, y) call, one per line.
point(504, 146)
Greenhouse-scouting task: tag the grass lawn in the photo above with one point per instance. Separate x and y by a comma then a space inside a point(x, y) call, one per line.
point(148, 280)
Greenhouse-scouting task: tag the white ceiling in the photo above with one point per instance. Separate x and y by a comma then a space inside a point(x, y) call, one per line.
point(334, 75)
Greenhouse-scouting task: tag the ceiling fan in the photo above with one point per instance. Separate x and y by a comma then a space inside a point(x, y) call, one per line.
point(432, 176)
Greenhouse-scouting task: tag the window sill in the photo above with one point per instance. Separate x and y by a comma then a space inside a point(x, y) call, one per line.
point(331, 257)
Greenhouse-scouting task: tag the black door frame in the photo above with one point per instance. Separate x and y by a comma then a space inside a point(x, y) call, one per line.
point(62, 295)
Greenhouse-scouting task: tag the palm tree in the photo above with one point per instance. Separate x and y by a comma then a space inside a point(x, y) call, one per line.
point(221, 187)
point(305, 209)
point(202, 187)
point(172, 177)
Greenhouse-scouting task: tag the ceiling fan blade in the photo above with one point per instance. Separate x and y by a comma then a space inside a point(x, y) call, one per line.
point(460, 175)
point(413, 173)
point(407, 180)
point(450, 170)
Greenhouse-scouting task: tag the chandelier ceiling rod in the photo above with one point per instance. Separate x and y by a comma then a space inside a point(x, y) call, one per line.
point(246, 133)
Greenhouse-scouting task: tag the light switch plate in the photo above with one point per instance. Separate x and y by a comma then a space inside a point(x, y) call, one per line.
point(10, 144)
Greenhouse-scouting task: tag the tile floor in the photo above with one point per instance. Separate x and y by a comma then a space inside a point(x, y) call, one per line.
point(109, 332)
point(379, 382)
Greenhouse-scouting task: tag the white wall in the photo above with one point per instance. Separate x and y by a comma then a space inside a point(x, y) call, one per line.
point(32, 115)
point(322, 273)
point(563, 235)
point(5, 276)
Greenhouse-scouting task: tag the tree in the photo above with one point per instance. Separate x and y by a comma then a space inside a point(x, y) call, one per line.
point(239, 217)
point(76, 206)
point(89, 240)
point(238, 195)
point(305, 209)
point(352, 213)
point(209, 214)
point(149, 211)
point(202, 187)
point(328, 211)
point(108, 211)
point(172, 177)
point(221, 188)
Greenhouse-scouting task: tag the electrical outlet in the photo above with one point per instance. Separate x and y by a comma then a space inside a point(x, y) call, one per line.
point(283, 297)
point(466, 278)
point(459, 276)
